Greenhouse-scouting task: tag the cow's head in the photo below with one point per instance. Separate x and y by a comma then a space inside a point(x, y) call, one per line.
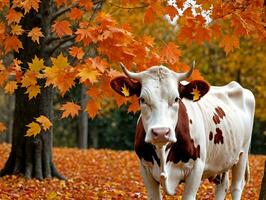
point(159, 91)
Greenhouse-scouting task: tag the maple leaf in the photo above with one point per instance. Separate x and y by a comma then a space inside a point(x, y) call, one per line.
point(62, 28)
point(69, 108)
point(36, 65)
point(149, 16)
point(125, 90)
point(171, 11)
point(34, 129)
point(44, 121)
point(170, 53)
point(196, 94)
point(12, 43)
point(87, 4)
point(76, 52)
point(87, 73)
point(93, 107)
point(28, 79)
point(16, 29)
point(229, 42)
point(35, 34)
point(2, 127)
point(75, 14)
point(13, 16)
point(33, 91)
point(134, 106)
point(28, 4)
point(10, 87)
point(60, 61)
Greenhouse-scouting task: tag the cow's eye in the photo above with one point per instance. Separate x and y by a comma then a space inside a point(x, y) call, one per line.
point(176, 99)
point(141, 100)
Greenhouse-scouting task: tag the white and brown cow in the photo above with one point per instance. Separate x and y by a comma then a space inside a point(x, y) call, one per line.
point(190, 131)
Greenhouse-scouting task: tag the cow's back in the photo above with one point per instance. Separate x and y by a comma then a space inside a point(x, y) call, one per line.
point(227, 114)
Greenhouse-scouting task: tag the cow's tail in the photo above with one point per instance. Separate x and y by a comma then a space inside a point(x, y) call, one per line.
point(247, 173)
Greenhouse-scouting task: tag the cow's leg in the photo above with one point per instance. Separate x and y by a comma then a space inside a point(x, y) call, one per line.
point(238, 176)
point(152, 186)
point(222, 187)
point(192, 182)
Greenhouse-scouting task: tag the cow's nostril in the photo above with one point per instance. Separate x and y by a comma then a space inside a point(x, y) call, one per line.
point(160, 134)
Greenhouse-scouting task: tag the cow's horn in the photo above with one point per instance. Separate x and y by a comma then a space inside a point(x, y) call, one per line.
point(130, 74)
point(183, 76)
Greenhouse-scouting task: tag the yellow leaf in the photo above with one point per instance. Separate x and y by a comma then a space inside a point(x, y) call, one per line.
point(10, 87)
point(35, 34)
point(196, 94)
point(60, 61)
point(37, 64)
point(70, 108)
point(33, 91)
point(2, 127)
point(34, 129)
point(44, 121)
point(28, 79)
point(88, 74)
point(16, 29)
point(125, 91)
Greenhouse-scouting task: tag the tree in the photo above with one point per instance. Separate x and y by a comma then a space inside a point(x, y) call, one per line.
point(59, 34)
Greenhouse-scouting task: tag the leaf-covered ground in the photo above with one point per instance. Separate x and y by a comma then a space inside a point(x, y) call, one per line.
point(102, 174)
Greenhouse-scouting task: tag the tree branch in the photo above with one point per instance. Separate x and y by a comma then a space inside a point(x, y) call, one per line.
point(62, 11)
point(128, 8)
point(60, 43)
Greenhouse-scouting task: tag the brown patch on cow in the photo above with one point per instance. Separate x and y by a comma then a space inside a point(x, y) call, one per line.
point(190, 121)
point(216, 119)
point(218, 138)
point(220, 112)
point(210, 136)
point(144, 150)
point(184, 149)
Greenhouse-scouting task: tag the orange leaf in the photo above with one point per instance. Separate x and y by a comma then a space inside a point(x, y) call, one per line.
point(35, 34)
point(171, 11)
point(33, 91)
point(44, 121)
point(62, 28)
point(36, 65)
point(76, 52)
point(170, 53)
point(16, 29)
point(87, 4)
point(12, 43)
point(13, 16)
point(75, 14)
point(87, 73)
point(92, 108)
point(134, 106)
point(10, 87)
point(229, 42)
point(69, 108)
point(2, 127)
point(28, 4)
point(149, 16)
point(34, 129)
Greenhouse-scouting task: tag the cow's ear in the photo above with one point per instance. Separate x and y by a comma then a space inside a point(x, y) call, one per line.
point(125, 86)
point(193, 90)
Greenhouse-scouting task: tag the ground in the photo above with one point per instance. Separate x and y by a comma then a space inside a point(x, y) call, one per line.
point(103, 174)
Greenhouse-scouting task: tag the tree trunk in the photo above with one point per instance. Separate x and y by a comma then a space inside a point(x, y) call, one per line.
point(83, 121)
point(11, 101)
point(32, 156)
point(263, 185)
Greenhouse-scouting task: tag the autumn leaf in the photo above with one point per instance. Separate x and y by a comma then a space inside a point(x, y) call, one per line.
point(28, 4)
point(149, 16)
point(10, 87)
point(36, 65)
point(75, 14)
point(92, 107)
point(134, 106)
point(87, 73)
point(62, 28)
point(44, 121)
point(35, 34)
point(69, 108)
point(60, 61)
point(125, 90)
point(16, 29)
point(76, 52)
point(196, 94)
point(28, 79)
point(229, 42)
point(170, 53)
point(33, 129)
point(2, 127)
point(12, 43)
point(13, 16)
point(33, 91)
point(171, 11)
point(87, 4)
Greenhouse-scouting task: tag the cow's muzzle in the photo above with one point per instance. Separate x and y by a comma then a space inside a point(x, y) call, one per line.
point(160, 135)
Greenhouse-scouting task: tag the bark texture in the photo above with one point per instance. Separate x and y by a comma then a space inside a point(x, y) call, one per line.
point(32, 156)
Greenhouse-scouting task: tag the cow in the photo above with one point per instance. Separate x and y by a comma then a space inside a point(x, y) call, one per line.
point(189, 131)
